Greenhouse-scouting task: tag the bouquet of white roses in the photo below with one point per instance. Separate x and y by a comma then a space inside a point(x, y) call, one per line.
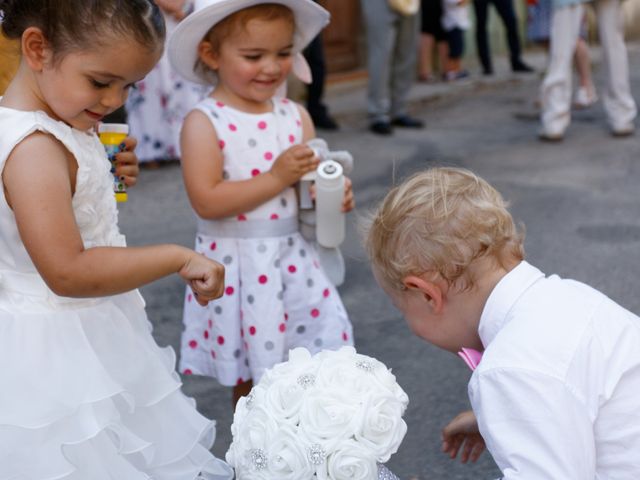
point(336, 415)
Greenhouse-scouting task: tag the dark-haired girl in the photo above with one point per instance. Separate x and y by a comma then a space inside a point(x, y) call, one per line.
point(86, 392)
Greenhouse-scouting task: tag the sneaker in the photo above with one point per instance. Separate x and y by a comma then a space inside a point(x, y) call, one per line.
point(381, 127)
point(521, 67)
point(623, 130)
point(549, 136)
point(453, 76)
point(405, 121)
point(585, 97)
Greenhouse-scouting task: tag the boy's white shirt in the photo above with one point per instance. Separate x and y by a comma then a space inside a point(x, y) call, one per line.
point(557, 393)
point(455, 15)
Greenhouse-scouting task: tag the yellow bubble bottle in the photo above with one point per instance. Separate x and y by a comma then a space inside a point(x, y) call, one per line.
point(111, 136)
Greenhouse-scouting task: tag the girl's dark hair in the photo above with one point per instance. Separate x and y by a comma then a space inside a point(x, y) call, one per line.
point(82, 24)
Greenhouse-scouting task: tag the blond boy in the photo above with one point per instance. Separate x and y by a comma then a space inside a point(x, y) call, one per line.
point(557, 392)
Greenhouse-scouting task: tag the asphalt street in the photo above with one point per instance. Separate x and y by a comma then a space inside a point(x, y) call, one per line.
point(578, 199)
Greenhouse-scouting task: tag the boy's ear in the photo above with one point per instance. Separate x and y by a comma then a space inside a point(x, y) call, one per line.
point(433, 292)
point(208, 55)
point(35, 48)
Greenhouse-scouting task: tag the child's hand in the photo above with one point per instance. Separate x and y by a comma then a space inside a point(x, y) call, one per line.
point(293, 163)
point(349, 201)
point(127, 168)
point(204, 276)
point(463, 429)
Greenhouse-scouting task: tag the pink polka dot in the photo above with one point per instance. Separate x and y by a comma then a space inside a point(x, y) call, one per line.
point(299, 123)
point(220, 104)
point(292, 139)
point(246, 346)
point(316, 264)
point(292, 269)
point(213, 246)
point(262, 279)
point(345, 337)
point(268, 156)
point(213, 354)
point(286, 317)
point(274, 216)
point(315, 313)
point(221, 144)
point(189, 298)
point(285, 100)
point(282, 327)
point(220, 340)
point(210, 323)
point(240, 381)
point(188, 372)
point(252, 330)
point(326, 293)
point(241, 218)
point(262, 125)
point(206, 334)
point(232, 127)
point(229, 290)
point(193, 344)
point(242, 332)
point(255, 172)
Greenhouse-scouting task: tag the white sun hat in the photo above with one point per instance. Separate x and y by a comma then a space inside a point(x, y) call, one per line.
point(310, 19)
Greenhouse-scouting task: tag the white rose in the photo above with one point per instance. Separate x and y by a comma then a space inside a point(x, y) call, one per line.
point(289, 456)
point(283, 399)
point(383, 427)
point(350, 461)
point(327, 417)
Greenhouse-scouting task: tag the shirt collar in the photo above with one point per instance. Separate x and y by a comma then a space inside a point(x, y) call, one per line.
point(503, 297)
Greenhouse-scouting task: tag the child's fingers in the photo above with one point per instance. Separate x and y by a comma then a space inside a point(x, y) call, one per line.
point(130, 144)
point(478, 448)
point(128, 180)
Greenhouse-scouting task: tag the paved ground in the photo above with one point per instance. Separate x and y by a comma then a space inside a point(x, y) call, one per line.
point(579, 201)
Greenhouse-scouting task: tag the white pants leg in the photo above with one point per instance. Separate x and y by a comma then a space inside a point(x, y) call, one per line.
point(555, 92)
point(617, 99)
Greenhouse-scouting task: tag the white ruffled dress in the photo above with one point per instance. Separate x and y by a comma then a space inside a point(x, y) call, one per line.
point(85, 392)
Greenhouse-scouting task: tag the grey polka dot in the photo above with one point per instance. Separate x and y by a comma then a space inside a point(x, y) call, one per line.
point(215, 115)
point(218, 309)
point(268, 345)
point(237, 353)
point(199, 239)
point(283, 111)
point(301, 329)
point(252, 142)
point(246, 362)
point(310, 282)
point(277, 263)
point(317, 342)
point(280, 295)
point(283, 202)
point(225, 175)
point(290, 241)
point(262, 248)
point(284, 288)
point(227, 260)
point(303, 252)
point(250, 299)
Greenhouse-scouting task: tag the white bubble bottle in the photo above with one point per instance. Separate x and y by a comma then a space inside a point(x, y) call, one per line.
point(330, 219)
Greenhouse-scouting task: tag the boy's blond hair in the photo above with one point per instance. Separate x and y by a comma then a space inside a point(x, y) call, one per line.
point(439, 221)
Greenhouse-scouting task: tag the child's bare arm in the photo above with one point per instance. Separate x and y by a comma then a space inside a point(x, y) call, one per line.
point(462, 432)
point(213, 197)
point(38, 179)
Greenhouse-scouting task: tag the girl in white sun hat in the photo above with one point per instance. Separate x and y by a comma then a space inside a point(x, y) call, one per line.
point(243, 150)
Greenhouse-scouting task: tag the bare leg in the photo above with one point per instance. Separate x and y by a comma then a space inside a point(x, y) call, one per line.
point(241, 390)
point(443, 55)
point(583, 64)
point(425, 60)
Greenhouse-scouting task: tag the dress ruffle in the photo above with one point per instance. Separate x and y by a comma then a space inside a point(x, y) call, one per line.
point(81, 409)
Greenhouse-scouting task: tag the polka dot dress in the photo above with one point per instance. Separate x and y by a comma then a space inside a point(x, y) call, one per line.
point(277, 296)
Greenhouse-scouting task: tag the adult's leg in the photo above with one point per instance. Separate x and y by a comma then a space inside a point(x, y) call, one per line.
point(425, 61)
point(618, 102)
point(482, 40)
point(403, 62)
point(314, 55)
point(556, 88)
point(379, 22)
point(508, 16)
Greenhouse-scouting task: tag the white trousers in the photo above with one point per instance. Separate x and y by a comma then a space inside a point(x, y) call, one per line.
point(556, 87)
